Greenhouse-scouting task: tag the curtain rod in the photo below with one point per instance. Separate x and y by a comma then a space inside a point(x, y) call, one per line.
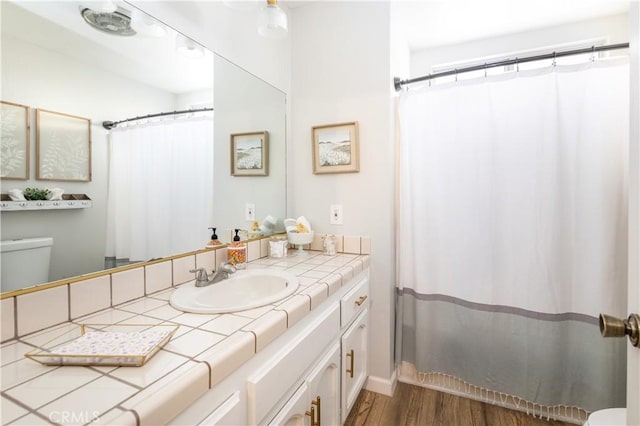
point(111, 124)
point(398, 83)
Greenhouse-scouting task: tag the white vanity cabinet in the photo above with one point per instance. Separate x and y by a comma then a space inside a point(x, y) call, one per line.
point(317, 400)
point(310, 375)
point(355, 361)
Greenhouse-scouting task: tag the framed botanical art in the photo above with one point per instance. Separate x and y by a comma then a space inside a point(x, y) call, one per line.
point(14, 155)
point(336, 148)
point(250, 154)
point(63, 147)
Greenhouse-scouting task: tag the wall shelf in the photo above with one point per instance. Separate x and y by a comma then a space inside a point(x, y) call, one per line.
point(69, 201)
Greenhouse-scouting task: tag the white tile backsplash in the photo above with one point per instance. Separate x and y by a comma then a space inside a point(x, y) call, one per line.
point(42, 309)
point(253, 250)
point(351, 244)
point(158, 277)
point(207, 260)
point(181, 268)
point(127, 285)
point(90, 296)
point(8, 319)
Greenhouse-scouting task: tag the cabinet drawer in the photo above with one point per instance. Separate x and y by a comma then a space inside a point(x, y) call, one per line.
point(269, 385)
point(354, 302)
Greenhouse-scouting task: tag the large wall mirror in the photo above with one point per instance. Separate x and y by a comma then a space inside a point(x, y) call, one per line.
point(52, 59)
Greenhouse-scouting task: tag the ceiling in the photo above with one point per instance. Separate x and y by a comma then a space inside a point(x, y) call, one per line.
point(151, 60)
point(422, 24)
point(430, 23)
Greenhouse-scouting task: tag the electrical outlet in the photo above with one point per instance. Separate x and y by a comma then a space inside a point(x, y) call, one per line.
point(250, 211)
point(336, 214)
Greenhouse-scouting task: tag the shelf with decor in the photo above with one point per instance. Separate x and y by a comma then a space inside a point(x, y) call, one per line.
point(69, 201)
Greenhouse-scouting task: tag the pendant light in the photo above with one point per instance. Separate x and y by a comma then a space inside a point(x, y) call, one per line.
point(272, 21)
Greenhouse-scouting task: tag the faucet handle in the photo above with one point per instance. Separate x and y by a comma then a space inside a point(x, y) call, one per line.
point(201, 274)
point(228, 267)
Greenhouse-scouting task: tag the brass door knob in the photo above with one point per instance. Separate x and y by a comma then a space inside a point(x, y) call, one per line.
point(616, 327)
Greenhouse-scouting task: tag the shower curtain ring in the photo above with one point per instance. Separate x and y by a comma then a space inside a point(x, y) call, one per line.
point(456, 72)
point(554, 59)
point(517, 65)
point(593, 53)
point(485, 69)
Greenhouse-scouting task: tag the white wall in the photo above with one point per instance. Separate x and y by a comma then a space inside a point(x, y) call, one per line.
point(341, 72)
point(43, 79)
point(614, 29)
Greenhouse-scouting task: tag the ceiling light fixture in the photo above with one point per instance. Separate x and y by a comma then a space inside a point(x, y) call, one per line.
point(272, 21)
point(104, 6)
point(188, 47)
point(145, 25)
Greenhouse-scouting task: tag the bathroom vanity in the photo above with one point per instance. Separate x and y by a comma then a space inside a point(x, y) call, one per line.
point(311, 374)
point(300, 360)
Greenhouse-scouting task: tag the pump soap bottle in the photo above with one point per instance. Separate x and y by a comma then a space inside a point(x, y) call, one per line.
point(214, 239)
point(237, 251)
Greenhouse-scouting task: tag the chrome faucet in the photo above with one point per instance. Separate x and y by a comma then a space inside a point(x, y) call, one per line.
point(223, 272)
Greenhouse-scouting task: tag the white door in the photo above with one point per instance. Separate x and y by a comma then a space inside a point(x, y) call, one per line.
point(633, 354)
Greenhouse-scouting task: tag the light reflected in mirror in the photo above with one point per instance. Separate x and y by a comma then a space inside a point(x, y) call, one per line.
point(53, 60)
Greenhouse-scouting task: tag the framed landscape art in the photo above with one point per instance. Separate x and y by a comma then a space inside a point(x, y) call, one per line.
point(250, 154)
point(336, 148)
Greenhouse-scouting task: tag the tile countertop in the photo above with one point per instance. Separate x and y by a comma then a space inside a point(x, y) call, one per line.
point(204, 350)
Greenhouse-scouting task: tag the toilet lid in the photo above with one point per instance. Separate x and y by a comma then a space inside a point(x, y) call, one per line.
point(608, 417)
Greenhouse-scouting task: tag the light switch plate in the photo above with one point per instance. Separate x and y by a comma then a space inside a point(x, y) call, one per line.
point(336, 214)
point(250, 211)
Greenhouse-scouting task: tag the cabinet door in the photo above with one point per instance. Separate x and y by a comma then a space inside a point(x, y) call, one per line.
point(324, 388)
point(294, 412)
point(355, 358)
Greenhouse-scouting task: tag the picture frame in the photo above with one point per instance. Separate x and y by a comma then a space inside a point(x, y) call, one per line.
point(16, 141)
point(336, 148)
point(63, 147)
point(250, 154)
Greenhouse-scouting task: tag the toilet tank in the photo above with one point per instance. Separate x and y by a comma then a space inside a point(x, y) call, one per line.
point(24, 262)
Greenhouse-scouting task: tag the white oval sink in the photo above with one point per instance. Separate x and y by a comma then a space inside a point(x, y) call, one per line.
point(243, 290)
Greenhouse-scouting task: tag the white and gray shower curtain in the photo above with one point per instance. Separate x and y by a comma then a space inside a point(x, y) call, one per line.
point(160, 198)
point(512, 236)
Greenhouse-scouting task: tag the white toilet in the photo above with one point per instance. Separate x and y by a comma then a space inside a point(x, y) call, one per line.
point(24, 262)
point(608, 417)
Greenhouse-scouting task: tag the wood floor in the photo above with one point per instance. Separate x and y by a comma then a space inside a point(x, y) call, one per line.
point(414, 405)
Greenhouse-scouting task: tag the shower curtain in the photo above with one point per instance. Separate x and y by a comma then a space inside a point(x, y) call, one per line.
point(160, 188)
point(512, 237)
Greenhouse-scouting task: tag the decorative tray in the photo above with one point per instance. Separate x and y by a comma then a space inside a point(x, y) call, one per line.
point(130, 345)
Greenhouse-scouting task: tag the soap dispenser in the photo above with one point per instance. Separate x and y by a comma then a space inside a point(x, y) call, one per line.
point(237, 251)
point(214, 239)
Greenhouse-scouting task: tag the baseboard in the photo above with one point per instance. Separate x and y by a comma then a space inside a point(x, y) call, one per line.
point(380, 385)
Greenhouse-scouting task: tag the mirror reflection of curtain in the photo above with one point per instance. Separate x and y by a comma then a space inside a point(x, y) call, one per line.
point(160, 196)
point(512, 237)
